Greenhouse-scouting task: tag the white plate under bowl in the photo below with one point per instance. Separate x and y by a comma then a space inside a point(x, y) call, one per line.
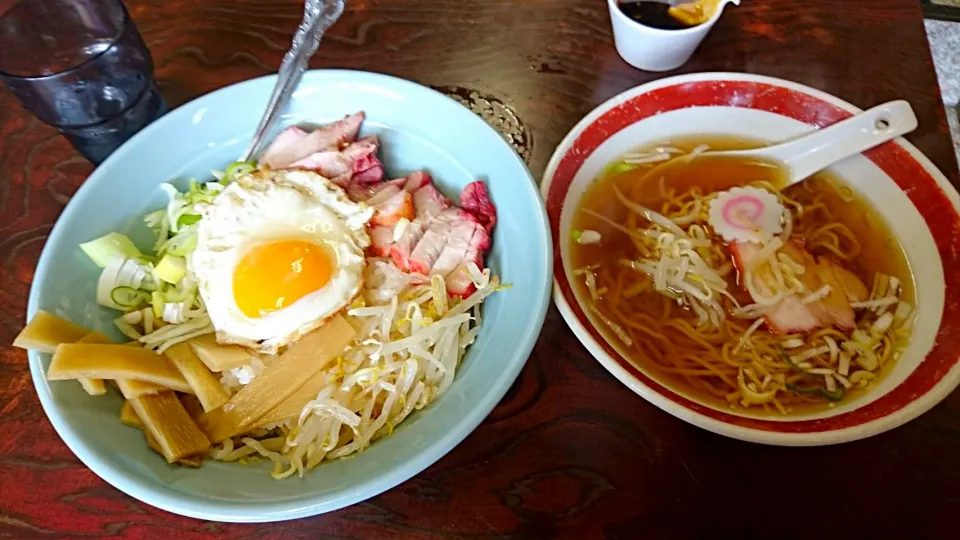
point(915, 198)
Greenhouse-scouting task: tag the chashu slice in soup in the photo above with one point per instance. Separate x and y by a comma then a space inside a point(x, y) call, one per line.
point(829, 287)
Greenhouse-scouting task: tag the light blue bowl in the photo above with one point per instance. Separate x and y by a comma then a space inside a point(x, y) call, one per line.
point(420, 129)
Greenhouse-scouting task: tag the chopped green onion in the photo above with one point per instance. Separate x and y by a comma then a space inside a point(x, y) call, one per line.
point(122, 273)
point(147, 259)
point(171, 268)
point(156, 302)
point(576, 235)
point(188, 219)
point(786, 358)
point(836, 395)
point(237, 169)
point(183, 243)
point(156, 221)
point(126, 297)
point(109, 247)
point(617, 168)
point(179, 294)
point(200, 193)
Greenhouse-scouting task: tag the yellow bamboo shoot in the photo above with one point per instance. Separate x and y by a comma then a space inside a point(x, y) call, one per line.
point(293, 405)
point(218, 357)
point(94, 387)
point(191, 462)
point(142, 388)
point(192, 405)
point(165, 419)
point(46, 331)
point(95, 361)
point(277, 382)
point(129, 416)
point(205, 386)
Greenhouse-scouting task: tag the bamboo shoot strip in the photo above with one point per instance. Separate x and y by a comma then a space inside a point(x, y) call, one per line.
point(293, 405)
point(207, 388)
point(192, 405)
point(280, 380)
point(94, 387)
point(165, 419)
point(86, 360)
point(219, 357)
point(190, 461)
point(141, 388)
point(129, 417)
point(45, 332)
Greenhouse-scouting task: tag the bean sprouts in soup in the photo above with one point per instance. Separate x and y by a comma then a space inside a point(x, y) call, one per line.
point(736, 290)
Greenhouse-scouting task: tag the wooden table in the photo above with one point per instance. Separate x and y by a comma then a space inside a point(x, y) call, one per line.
point(569, 452)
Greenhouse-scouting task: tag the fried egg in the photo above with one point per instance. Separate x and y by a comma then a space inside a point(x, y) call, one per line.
point(278, 252)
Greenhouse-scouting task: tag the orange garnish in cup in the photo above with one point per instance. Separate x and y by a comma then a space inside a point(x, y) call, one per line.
point(695, 13)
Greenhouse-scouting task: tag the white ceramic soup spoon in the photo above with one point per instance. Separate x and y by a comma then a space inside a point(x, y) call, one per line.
point(806, 155)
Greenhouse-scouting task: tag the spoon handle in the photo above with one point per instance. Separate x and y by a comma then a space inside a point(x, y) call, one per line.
point(318, 16)
point(814, 152)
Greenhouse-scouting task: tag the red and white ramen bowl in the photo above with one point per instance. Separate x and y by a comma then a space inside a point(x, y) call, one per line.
point(914, 197)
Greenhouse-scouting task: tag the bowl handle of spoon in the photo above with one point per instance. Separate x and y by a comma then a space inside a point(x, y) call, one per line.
point(811, 153)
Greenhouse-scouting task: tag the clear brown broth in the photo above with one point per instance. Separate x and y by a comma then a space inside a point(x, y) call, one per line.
point(880, 250)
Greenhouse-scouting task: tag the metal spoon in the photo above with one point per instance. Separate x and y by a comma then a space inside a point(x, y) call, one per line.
point(318, 16)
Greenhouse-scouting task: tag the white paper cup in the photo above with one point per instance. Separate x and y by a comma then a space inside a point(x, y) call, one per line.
point(653, 49)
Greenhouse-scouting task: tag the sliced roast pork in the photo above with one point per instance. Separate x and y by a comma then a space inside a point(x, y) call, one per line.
point(476, 200)
point(396, 207)
point(362, 156)
point(356, 164)
point(813, 311)
point(468, 241)
point(286, 148)
point(294, 144)
point(429, 202)
point(451, 236)
point(440, 238)
point(332, 151)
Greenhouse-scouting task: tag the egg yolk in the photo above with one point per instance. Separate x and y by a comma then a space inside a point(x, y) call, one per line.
point(273, 276)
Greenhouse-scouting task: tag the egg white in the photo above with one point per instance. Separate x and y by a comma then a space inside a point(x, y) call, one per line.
point(270, 206)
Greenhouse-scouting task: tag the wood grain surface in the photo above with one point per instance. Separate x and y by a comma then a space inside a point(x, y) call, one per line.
point(569, 453)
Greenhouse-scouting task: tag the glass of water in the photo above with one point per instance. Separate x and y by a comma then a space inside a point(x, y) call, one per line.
point(82, 67)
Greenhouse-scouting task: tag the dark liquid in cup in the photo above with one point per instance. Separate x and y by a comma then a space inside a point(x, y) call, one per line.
point(121, 100)
point(652, 14)
point(98, 141)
